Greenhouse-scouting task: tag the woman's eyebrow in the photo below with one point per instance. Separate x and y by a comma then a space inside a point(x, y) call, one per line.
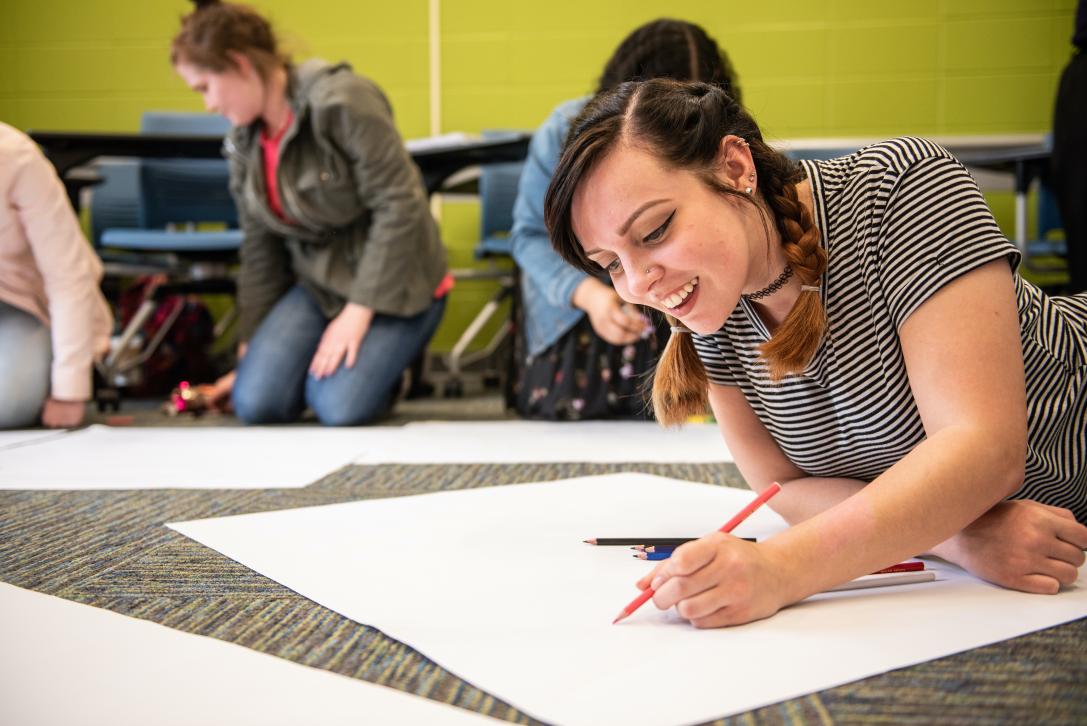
point(630, 220)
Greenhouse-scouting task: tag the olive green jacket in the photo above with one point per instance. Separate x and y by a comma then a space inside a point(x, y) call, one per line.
point(364, 231)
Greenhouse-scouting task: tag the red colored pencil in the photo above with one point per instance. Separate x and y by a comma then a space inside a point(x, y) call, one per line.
point(728, 527)
point(908, 566)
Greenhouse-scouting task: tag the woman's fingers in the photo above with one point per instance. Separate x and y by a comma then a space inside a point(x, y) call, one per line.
point(1061, 571)
point(1071, 531)
point(703, 604)
point(644, 582)
point(685, 573)
point(1065, 552)
point(1039, 584)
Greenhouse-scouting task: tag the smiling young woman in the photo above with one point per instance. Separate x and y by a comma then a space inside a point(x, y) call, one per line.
point(857, 326)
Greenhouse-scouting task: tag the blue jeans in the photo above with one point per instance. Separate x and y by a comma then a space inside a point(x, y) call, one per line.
point(26, 357)
point(273, 384)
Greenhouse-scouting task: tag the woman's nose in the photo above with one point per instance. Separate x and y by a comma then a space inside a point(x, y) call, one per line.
point(642, 274)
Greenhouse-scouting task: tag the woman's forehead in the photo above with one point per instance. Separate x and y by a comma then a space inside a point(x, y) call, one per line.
point(624, 178)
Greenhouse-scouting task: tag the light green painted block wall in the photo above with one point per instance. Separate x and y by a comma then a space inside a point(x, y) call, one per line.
point(807, 68)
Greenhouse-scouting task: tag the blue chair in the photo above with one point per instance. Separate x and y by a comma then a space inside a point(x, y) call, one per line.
point(1049, 220)
point(158, 232)
point(175, 195)
point(497, 194)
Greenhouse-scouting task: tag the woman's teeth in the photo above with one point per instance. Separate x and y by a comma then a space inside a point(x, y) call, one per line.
point(680, 295)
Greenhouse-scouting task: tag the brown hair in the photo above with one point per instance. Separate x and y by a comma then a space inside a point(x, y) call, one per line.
point(683, 124)
point(215, 29)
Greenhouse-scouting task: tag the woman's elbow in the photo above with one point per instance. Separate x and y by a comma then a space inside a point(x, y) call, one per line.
point(1010, 462)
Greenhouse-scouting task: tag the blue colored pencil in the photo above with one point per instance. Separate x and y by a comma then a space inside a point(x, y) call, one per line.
point(653, 555)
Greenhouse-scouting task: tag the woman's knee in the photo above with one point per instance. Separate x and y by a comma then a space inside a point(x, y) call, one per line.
point(25, 366)
point(363, 408)
point(21, 408)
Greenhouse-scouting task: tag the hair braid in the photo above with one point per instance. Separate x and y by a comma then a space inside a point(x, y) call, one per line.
point(680, 385)
point(797, 338)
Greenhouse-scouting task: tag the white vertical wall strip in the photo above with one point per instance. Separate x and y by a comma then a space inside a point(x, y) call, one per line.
point(435, 37)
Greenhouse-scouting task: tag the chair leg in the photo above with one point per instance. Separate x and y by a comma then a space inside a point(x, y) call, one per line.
point(418, 386)
point(458, 358)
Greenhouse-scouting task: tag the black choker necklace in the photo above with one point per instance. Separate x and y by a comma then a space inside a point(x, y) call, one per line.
point(773, 286)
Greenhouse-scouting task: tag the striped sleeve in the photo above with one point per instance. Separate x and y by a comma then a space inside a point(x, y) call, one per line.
point(936, 227)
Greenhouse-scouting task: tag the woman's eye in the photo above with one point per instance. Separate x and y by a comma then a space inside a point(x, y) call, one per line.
point(614, 266)
point(656, 234)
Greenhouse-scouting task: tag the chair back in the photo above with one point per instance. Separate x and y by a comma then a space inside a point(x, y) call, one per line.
point(182, 123)
point(115, 203)
point(178, 191)
point(497, 193)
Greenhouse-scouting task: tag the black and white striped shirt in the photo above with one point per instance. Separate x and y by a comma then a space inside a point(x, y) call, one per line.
point(899, 220)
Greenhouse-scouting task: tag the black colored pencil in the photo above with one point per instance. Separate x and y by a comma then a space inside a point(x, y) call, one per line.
point(627, 541)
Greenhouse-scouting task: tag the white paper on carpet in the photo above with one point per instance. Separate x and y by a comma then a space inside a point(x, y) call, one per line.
point(496, 585)
point(25, 437)
point(103, 457)
point(67, 663)
point(515, 442)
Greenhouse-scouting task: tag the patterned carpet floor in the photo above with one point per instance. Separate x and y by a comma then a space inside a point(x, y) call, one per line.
point(110, 549)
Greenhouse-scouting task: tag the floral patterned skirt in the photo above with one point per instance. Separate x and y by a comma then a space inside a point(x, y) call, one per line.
point(582, 376)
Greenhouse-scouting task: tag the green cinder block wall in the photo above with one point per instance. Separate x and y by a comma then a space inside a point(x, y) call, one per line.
point(807, 68)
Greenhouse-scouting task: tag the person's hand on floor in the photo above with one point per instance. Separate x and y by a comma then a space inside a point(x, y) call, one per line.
point(63, 414)
point(1022, 545)
point(217, 395)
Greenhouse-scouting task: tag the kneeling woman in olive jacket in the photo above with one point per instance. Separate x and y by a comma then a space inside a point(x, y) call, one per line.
point(343, 275)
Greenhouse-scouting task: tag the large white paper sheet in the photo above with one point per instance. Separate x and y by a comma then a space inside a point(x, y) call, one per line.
point(101, 457)
point(497, 586)
point(516, 442)
point(24, 437)
point(64, 663)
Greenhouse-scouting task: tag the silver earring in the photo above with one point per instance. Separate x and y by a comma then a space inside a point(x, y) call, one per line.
point(747, 190)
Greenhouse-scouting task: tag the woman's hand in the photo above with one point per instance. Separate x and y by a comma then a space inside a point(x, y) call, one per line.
point(217, 395)
point(341, 340)
point(719, 580)
point(613, 320)
point(63, 414)
point(1020, 544)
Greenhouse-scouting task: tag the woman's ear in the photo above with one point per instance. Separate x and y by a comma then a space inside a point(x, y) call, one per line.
point(734, 165)
point(242, 64)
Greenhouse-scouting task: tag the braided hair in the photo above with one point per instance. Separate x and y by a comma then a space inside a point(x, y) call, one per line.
point(683, 124)
point(667, 48)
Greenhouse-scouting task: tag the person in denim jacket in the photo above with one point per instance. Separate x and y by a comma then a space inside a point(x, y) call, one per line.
point(582, 352)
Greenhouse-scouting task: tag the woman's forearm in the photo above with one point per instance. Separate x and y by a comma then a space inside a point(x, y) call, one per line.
point(929, 496)
point(802, 499)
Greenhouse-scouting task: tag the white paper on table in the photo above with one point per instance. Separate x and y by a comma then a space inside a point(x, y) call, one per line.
point(65, 663)
point(102, 457)
point(518, 442)
point(496, 586)
point(25, 437)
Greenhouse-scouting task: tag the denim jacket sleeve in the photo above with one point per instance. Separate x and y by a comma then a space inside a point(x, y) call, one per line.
point(532, 249)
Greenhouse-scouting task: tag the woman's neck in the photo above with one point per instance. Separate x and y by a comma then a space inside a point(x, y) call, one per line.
point(277, 109)
point(774, 308)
